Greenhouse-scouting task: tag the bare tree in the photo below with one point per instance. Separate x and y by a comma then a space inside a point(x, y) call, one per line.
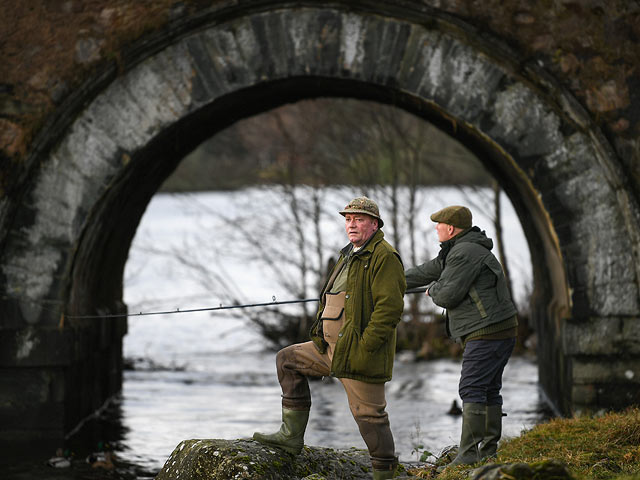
point(367, 148)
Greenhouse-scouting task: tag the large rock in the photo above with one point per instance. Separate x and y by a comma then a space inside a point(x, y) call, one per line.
point(235, 459)
point(549, 469)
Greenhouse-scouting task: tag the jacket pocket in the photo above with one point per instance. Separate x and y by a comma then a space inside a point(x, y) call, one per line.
point(334, 306)
point(368, 364)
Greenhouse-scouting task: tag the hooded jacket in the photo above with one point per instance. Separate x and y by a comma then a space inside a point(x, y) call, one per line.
point(467, 280)
point(374, 301)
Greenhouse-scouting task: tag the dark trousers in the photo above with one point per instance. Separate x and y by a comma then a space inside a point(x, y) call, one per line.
point(483, 363)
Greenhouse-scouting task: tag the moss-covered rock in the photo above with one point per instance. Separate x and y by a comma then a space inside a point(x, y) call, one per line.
point(547, 470)
point(236, 459)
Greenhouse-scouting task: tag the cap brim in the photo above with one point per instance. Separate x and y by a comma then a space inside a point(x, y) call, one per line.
point(354, 210)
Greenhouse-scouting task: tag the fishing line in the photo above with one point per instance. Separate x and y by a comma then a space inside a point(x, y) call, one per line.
point(221, 307)
point(205, 309)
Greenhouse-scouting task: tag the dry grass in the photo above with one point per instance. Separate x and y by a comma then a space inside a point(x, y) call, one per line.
point(602, 447)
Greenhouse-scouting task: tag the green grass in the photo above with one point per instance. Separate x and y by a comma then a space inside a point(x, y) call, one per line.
point(592, 447)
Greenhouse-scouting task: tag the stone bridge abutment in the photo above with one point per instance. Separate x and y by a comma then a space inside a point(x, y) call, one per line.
point(69, 222)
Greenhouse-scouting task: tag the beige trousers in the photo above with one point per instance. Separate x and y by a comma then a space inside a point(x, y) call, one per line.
point(366, 400)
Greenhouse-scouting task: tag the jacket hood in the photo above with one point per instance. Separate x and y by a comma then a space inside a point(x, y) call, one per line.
point(474, 235)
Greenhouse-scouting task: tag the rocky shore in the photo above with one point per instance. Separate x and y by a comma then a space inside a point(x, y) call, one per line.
point(215, 459)
point(238, 459)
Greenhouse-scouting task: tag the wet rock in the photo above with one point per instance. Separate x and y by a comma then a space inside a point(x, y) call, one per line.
point(552, 469)
point(59, 462)
point(236, 459)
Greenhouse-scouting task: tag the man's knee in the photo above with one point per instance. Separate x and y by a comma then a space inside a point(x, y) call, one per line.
point(283, 355)
point(378, 438)
point(469, 394)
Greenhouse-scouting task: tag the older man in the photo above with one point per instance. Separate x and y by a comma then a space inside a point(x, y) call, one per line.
point(352, 339)
point(467, 280)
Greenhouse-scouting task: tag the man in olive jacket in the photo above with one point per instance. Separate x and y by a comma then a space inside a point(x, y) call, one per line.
point(468, 281)
point(352, 339)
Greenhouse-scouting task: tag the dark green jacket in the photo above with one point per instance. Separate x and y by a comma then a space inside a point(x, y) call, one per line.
point(467, 280)
point(373, 306)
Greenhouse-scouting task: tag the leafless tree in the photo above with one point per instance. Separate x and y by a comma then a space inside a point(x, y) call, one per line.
point(306, 151)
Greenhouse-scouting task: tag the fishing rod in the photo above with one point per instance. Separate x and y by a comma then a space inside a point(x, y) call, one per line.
point(221, 307)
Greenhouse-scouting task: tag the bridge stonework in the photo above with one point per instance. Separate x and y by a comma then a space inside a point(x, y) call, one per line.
point(72, 212)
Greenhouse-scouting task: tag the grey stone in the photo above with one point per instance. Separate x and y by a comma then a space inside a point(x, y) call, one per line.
point(522, 471)
point(607, 370)
point(234, 459)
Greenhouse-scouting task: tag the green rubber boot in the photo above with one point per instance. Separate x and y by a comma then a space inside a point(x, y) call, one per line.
point(385, 469)
point(474, 424)
point(290, 437)
point(493, 431)
point(383, 474)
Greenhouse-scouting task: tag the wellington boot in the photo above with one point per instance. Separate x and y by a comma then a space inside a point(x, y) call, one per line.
point(384, 468)
point(493, 431)
point(383, 474)
point(474, 420)
point(290, 437)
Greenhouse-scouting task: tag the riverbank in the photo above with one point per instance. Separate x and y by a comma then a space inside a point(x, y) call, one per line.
point(592, 447)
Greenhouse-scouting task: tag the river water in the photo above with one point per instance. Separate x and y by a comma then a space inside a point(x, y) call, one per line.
point(209, 375)
point(216, 392)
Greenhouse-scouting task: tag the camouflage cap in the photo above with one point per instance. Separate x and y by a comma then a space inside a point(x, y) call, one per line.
point(455, 215)
point(363, 205)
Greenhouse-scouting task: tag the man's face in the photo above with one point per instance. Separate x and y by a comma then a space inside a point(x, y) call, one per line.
point(445, 232)
point(360, 227)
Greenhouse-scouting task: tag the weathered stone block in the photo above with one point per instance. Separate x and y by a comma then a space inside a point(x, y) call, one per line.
point(607, 370)
point(595, 336)
point(29, 399)
point(631, 335)
point(604, 396)
point(31, 347)
point(584, 394)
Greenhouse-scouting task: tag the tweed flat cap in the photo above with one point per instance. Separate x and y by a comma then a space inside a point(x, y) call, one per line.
point(455, 215)
point(363, 205)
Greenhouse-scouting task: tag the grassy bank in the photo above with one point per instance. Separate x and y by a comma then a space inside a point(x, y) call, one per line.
point(600, 447)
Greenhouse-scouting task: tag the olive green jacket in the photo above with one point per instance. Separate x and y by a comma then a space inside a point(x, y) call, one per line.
point(374, 301)
point(467, 280)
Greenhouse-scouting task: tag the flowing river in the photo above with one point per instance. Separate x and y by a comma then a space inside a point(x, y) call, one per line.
point(210, 382)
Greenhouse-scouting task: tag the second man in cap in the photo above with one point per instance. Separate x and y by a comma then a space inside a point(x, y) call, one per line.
point(468, 281)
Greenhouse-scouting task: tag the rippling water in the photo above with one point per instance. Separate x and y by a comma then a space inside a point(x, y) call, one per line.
point(230, 394)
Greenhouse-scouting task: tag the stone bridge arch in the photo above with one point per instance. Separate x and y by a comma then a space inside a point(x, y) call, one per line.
point(67, 240)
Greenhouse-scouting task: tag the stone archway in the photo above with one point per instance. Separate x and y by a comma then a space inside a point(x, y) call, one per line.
point(67, 247)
